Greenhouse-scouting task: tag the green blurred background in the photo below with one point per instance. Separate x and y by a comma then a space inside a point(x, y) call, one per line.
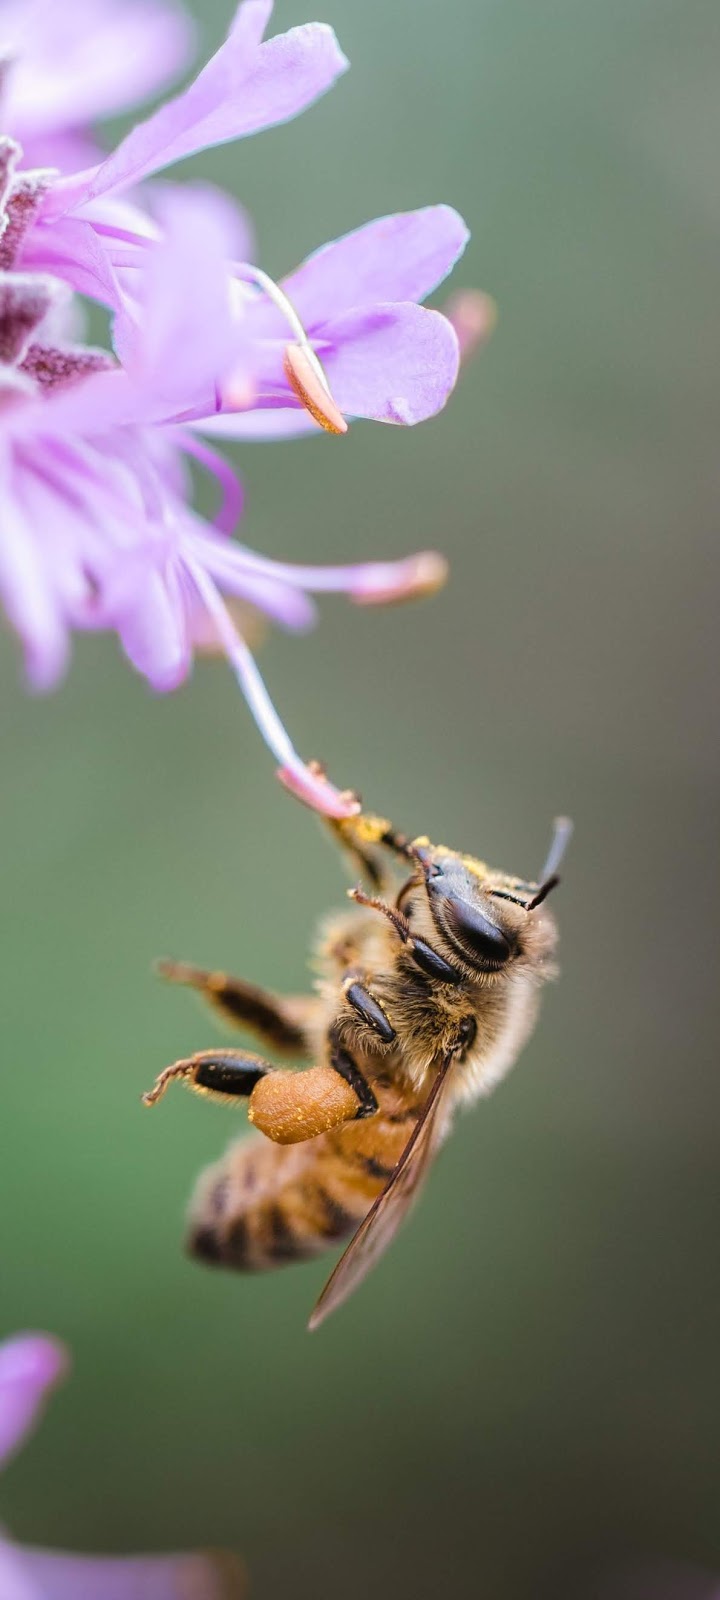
point(525, 1395)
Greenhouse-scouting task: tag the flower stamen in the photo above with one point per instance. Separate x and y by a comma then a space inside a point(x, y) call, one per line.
point(473, 315)
point(303, 367)
point(312, 393)
point(393, 582)
point(306, 780)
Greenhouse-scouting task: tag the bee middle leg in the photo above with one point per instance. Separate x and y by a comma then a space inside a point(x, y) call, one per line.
point(282, 1021)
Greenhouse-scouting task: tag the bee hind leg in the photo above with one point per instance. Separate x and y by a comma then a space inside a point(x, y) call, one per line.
point(290, 1107)
point(220, 1074)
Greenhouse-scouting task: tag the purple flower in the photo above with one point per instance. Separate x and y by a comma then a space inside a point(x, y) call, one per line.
point(384, 356)
point(97, 527)
point(355, 299)
point(473, 315)
point(249, 84)
point(31, 1365)
point(114, 54)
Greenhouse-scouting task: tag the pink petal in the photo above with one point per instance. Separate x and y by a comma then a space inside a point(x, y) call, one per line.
point(152, 626)
point(231, 505)
point(103, 401)
point(28, 600)
point(473, 315)
point(401, 257)
point(55, 1575)
point(245, 87)
point(114, 53)
point(68, 151)
point(31, 1364)
point(224, 215)
point(289, 607)
point(73, 251)
point(281, 423)
point(375, 583)
point(242, 574)
point(182, 338)
point(396, 364)
point(14, 1581)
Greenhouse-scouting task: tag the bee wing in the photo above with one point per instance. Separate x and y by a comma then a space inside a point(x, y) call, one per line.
point(379, 1227)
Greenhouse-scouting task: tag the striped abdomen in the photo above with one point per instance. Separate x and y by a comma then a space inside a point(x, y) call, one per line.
point(264, 1205)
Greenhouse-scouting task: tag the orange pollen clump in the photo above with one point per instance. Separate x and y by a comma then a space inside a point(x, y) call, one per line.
point(291, 1107)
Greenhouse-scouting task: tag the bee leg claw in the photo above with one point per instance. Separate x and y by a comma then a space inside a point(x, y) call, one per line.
point(179, 1069)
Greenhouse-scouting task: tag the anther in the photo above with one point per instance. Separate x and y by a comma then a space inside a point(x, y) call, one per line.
point(473, 316)
point(303, 368)
point(311, 389)
point(413, 579)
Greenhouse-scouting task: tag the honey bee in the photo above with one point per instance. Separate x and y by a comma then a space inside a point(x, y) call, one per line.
point(427, 991)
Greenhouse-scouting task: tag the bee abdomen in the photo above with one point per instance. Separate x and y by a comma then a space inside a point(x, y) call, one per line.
point(265, 1206)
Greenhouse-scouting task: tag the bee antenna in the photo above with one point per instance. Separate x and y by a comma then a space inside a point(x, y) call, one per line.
point(543, 892)
point(562, 833)
point(549, 879)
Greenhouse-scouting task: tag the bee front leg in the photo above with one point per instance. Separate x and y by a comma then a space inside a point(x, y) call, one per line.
point(368, 1009)
point(364, 837)
point(425, 957)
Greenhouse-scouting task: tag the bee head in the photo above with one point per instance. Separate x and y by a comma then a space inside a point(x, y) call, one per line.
point(484, 918)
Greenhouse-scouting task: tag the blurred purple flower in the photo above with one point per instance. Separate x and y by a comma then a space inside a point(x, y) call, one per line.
point(654, 1580)
point(355, 299)
point(473, 315)
point(97, 525)
point(97, 531)
point(114, 54)
point(31, 1365)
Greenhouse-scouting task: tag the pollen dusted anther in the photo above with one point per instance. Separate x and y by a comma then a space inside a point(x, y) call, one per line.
point(414, 579)
point(311, 390)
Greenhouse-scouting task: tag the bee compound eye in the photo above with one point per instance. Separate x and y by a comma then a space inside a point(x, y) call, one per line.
point(467, 927)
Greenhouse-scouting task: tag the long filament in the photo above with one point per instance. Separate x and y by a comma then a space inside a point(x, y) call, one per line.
point(312, 786)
